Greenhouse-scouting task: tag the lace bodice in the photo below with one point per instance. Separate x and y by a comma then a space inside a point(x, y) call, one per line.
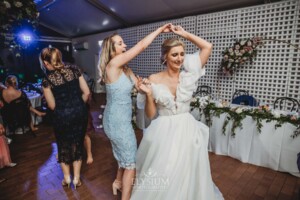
point(167, 103)
point(61, 76)
point(65, 86)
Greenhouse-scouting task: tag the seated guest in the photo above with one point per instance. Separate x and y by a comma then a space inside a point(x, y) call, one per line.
point(11, 93)
point(5, 160)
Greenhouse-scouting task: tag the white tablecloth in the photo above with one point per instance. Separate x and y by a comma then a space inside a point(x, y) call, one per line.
point(271, 148)
point(35, 100)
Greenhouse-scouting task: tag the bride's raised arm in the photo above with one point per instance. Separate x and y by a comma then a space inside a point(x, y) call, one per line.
point(202, 44)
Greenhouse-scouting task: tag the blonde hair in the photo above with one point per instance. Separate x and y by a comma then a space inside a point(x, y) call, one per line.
point(51, 55)
point(167, 45)
point(106, 51)
point(12, 81)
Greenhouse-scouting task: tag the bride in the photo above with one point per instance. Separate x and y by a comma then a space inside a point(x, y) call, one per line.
point(172, 159)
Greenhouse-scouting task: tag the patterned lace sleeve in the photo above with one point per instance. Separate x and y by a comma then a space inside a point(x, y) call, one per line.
point(45, 83)
point(75, 70)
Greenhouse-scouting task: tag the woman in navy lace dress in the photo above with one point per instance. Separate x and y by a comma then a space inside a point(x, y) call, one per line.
point(66, 92)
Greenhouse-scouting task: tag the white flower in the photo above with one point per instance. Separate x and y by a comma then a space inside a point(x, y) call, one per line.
point(102, 106)
point(18, 4)
point(276, 113)
point(243, 42)
point(219, 105)
point(194, 100)
point(134, 118)
point(100, 116)
point(249, 43)
point(7, 4)
point(239, 110)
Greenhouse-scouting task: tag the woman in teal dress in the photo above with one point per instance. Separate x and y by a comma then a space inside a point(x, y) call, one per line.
point(119, 81)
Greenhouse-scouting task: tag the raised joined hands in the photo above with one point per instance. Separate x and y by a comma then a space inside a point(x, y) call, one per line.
point(144, 86)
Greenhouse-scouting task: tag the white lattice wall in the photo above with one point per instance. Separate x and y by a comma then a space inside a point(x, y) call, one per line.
point(274, 73)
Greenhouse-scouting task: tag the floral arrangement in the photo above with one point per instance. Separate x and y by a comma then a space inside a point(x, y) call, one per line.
point(239, 53)
point(239, 113)
point(13, 15)
point(243, 51)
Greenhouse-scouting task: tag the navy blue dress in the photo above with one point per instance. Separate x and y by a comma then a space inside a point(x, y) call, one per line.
point(70, 114)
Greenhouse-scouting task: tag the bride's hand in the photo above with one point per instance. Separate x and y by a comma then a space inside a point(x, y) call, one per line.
point(166, 28)
point(178, 30)
point(144, 86)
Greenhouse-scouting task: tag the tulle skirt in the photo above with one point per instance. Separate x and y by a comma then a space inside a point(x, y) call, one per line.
point(4, 152)
point(172, 161)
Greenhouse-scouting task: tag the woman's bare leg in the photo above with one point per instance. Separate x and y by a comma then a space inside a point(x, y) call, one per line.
point(128, 180)
point(88, 147)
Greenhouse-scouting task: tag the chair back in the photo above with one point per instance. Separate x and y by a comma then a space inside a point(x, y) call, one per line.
point(239, 93)
point(16, 114)
point(246, 100)
point(242, 97)
point(203, 90)
point(287, 103)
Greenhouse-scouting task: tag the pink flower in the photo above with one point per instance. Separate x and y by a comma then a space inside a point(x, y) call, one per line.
point(293, 118)
point(257, 40)
point(247, 49)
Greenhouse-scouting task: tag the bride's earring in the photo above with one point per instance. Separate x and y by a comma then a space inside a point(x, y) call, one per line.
point(164, 62)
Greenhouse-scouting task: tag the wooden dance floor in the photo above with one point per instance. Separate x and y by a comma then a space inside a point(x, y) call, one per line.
point(38, 175)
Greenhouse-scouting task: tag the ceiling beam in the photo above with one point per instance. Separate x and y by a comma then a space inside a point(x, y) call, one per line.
point(107, 11)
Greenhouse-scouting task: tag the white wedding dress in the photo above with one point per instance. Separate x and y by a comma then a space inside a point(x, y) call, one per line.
point(172, 159)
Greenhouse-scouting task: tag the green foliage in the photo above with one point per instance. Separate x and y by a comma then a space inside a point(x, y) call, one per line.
point(238, 114)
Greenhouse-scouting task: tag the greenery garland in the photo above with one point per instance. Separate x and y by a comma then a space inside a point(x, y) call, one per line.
point(238, 114)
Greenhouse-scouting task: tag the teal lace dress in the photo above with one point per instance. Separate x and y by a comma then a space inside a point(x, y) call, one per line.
point(117, 121)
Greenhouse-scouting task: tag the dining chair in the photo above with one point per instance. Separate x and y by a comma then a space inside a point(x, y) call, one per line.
point(286, 103)
point(203, 90)
point(239, 93)
point(242, 97)
point(16, 115)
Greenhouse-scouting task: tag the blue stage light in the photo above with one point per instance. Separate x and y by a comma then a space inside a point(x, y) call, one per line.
point(26, 38)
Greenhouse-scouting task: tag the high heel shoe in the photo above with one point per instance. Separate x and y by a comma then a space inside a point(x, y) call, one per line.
point(76, 182)
point(117, 185)
point(66, 181)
